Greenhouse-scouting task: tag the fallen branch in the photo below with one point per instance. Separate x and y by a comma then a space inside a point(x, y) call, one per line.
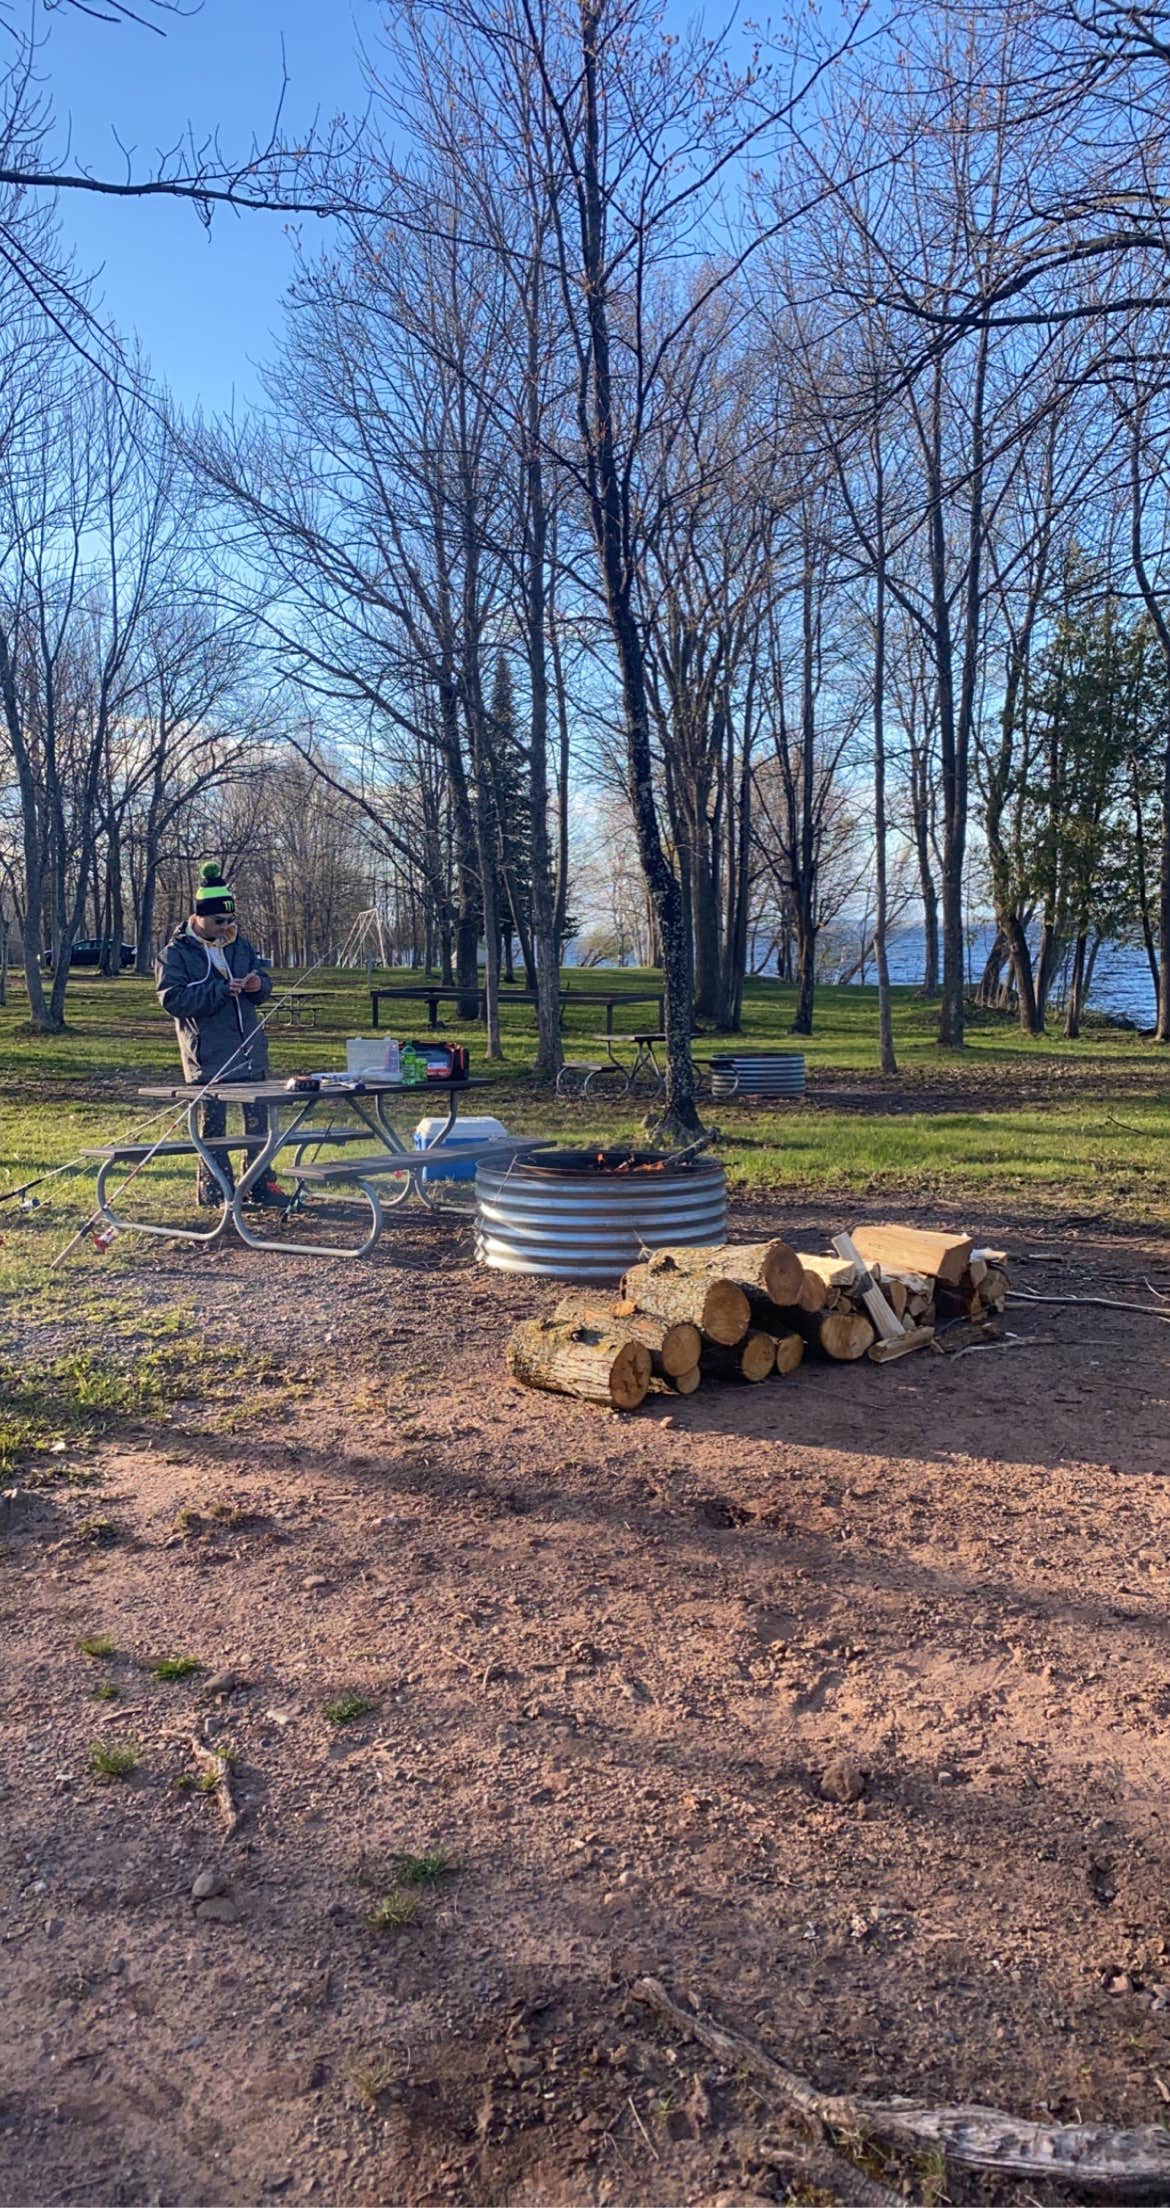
point(1097, 2160)
point(216, 1777)
point(1010, 1341)
point(1097, 1303)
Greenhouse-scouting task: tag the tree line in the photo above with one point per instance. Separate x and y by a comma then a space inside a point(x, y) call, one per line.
point(752, 454)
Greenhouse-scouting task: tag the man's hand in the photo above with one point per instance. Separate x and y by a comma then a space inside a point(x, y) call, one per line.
point(253, 984)
point(236, 988)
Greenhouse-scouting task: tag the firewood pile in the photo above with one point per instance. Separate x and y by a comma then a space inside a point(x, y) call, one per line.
point(748, 1312)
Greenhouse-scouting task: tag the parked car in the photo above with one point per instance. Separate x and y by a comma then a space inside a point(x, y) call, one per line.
point(88, 950)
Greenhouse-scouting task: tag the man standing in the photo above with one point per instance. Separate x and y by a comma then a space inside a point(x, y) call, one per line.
point(211, 982)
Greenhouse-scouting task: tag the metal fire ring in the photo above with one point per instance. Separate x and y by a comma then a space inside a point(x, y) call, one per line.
point(762, 1074)
point(588, 1226)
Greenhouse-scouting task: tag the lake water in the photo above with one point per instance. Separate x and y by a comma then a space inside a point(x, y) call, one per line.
point(1121, 976)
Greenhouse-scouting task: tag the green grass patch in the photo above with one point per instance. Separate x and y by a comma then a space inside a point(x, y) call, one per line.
point(176, 1667)
point(99, 1533)
point(114, 1759)
point(393, 1912)
point(106, 1690)
point(424, 1870)
point(100, 1646)
point(348, 1708)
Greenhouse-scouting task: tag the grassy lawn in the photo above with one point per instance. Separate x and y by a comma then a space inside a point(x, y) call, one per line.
point(1043, 1125)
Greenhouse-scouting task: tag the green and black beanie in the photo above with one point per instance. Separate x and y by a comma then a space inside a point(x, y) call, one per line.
point(213, 899)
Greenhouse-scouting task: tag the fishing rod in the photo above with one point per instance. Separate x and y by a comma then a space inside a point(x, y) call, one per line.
point(173, 1119)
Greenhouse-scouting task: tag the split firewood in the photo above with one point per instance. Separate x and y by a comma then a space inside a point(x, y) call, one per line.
point(577, 1360)
point(674, 1346)
point(914, 1337)
point(942, 1257)
point(752, 1359)
point(789, 1353)
point(825, 1278)
point(215, 1776)
point(868, 1291)
point(897, 1295)
point(1095, 2159)
point(699, 1291)
point(993, 1288)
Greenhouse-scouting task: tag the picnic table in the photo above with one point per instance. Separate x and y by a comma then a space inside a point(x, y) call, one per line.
point(433, 997)
point(369, 1098)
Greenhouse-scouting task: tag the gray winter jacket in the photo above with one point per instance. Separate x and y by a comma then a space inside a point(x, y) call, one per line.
point(210, 1023)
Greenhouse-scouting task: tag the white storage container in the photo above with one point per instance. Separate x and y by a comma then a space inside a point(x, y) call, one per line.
point(464, 1130)
point(365, 1054)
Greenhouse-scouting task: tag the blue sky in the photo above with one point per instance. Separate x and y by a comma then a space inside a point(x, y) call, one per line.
point(205, 307)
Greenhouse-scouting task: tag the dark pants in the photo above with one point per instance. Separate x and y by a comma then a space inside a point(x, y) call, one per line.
point(213, 1121)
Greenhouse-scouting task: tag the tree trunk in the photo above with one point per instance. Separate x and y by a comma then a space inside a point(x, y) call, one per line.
point(547, 907)
point(610, 515)
point(887, 1059)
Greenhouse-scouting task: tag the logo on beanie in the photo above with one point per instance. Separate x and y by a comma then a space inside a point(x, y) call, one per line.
point(213, 897)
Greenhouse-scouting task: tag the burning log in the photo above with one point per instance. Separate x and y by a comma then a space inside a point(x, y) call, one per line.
point(697, 1291)
point(577, 1360)
point(674, 1346)
point(752, 1359)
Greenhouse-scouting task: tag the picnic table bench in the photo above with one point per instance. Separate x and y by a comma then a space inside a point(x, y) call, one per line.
point(291, 1131)
point(433, 997)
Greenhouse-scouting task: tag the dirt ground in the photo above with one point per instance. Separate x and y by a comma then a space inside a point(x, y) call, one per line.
point(607, 1661)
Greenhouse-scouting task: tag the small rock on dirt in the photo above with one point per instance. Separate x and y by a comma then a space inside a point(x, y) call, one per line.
point(842, 1780)
point(217, 1909)
point(206, 1884)
point(222, 1682)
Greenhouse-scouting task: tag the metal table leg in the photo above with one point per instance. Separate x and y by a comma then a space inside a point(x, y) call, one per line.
point(278, 1139)
point(147, 1226)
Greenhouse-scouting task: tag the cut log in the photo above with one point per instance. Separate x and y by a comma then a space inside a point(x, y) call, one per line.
point(701, 1294)
point(673, 1345)
point(752, 1359)
point(994, 1287)
point(824, 1278)
point(841, 1334)
point(897, 1295)
point(915, 1250)
point(680, 1383)
point(789, 1352)
point(577, 1360)
point(769, 1267)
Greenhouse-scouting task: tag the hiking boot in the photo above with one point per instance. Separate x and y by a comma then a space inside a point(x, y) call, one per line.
point(268, 1195)
point(209, 1195)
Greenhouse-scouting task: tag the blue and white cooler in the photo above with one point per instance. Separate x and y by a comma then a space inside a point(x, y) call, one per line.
point(484, 1129)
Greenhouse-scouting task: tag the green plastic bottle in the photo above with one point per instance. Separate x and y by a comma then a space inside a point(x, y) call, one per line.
point(413, 1069)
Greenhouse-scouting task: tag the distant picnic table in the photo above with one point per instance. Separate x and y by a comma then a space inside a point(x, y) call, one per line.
point(423, 993)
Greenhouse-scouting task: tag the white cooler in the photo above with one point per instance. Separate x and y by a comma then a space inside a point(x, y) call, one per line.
point(464, 1130)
